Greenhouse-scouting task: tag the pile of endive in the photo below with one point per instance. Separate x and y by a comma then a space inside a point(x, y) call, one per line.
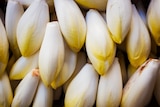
point(79, 53)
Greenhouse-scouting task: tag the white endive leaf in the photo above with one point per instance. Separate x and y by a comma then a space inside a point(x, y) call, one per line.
point(99, 46)
point(153, 15)
point(95, 4)
point(118, 16)
point(26, 89)
point(82, 90)
point(51, 56)
point(43, 97)
point(138, 43)
point(68, 67)
point(5, 91)
point(31, 27)
point(81, 61)
point(4, 48)
point(23, 65)
point(110, 87)
point(72, 23)
point(139, 88)
point(11, 21)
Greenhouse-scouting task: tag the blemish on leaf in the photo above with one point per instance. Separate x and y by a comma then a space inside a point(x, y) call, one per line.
point(35, 72)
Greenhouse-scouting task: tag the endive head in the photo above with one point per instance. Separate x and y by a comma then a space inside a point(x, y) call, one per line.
point(72, 23)
point(94, 4)
point(26, 89)
point(11, 21)
point(141, 84)
point(82, 90)
point(99, 45)
point(110, 87)
point(51, 56)
point(138, 43)
point(118, 16)
point(153, 15)
point(31, 27)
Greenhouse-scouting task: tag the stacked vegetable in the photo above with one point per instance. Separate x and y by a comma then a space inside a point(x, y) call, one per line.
point(84, 53)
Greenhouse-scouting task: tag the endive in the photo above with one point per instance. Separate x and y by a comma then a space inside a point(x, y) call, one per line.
point(68, 67)
point(82, 90)
point(110, 87)
point(23, 65)
point(51, 56)
point(138, 43)
point(139, 88)
point(81, 61)
point(118, 16)
point(5, 91)
point(4, 48)
point(95, 4)
point(99, 45)
point(11, 21)
point(43, 96)
point(31, 27)
point(26, 89)
point(72, 23)
point(153, 15)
